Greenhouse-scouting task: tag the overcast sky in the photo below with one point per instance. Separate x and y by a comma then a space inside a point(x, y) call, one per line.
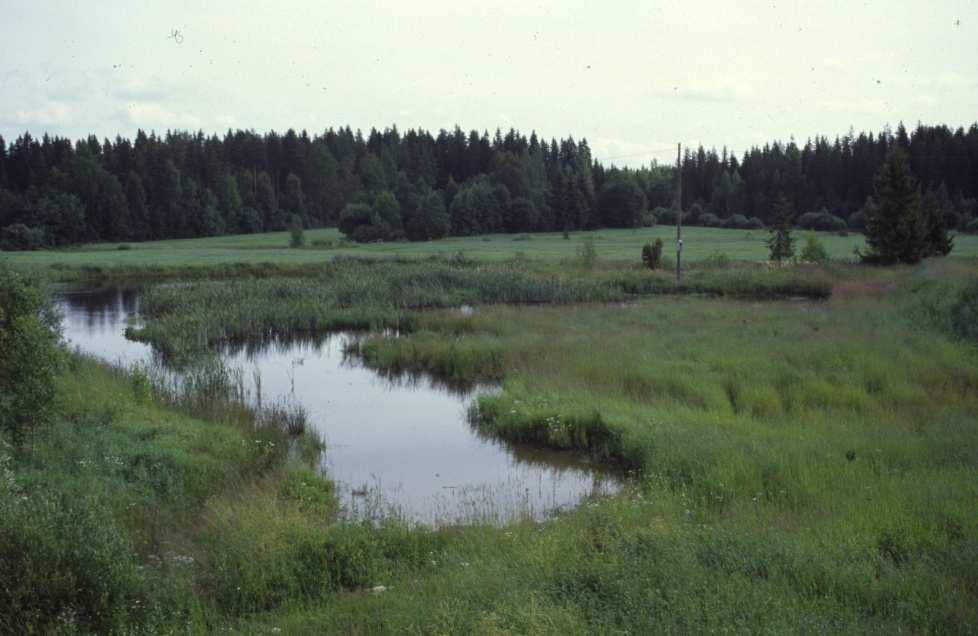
point(632, 77)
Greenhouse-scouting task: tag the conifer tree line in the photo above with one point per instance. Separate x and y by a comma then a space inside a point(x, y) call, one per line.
point(416, 185)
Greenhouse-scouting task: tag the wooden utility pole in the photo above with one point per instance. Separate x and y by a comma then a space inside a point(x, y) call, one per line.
point(678, 206)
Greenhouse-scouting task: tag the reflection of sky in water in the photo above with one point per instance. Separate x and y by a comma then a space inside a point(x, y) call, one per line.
point(407, 442)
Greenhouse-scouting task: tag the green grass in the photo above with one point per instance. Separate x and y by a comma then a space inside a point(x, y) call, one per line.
point(385, 293)
point(800, 466)
point(804, 467)
point(700, 244)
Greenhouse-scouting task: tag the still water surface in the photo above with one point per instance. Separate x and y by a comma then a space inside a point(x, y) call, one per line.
point(392, 447)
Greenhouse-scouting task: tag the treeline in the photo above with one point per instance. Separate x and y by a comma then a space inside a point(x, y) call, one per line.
point(187, 185)
point(829, 183)
point(418, 185)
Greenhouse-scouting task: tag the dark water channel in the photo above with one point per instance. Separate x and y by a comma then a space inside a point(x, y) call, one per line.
point(392, 447)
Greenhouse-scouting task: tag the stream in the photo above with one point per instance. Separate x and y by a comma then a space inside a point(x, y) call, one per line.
point(401, 447)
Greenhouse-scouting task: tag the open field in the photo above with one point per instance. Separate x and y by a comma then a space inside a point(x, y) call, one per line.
point(625, 245)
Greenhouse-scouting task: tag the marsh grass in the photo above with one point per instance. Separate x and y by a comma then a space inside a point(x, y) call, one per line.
point(820, 455)
point(801, 466)
point(364, 294)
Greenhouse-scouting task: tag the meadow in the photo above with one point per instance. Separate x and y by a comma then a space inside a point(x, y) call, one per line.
point(323, 244)
point(802, 443)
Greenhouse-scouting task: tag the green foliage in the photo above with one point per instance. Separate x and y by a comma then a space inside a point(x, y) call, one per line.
point(951, 307)
point(895, 230)
point(380, 221)
point(31, 357)
point(780, 241)
point(820, 221)
point(964, 312)
point(587, 254)
point(748, 428)
point(621, 203)
point(297, 237)
point(85, 517)
point(64, 563)
point(18, 237)
point(430, 220)
point(652, 254)
point(814, 251)
point(363, 294)
point(939, 242)
point(745, 430)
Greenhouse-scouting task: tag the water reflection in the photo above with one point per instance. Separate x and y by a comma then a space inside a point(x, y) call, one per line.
point(396, 443)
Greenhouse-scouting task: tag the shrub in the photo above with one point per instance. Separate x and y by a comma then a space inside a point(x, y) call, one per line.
point(857, 220)
point(741, 222)
point(708, 219)
point(718, 260)
point(814, 251)
point(19, 237)
point(250, 221)
point(31, 359)
point(821, 221)
point(124, 247)
point(297, 236)
point(652, 254)
point(586, 252)
point(667, 216)
point(64, 563)
point(964, 312)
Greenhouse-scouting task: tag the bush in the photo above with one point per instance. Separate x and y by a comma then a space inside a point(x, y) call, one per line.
point(708, 219)
point(251, 221)
point(668, 216)
point(717, 260)
point(30, 357)
point(857, 220)
point(64, 563)
point(964, 312)
point(649, 219)
point(19, 237)
point(821, 221)
point(741, 222)
point(652, 254)
point(125, 247)
point(586, 252)
point(814, 251)
point(297, 236)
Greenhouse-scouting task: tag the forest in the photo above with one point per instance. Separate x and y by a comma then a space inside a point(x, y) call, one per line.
point(416, 185)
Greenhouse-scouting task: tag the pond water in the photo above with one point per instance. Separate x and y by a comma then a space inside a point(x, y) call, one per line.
point(402, 447)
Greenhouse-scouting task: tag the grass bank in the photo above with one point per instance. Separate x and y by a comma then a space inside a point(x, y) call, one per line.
point(151, 509)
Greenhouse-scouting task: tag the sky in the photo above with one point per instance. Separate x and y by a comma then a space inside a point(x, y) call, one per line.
point(632, 77)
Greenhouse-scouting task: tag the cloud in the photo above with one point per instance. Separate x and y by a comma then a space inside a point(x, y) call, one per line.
point(157, 116)
point(48, 115)
point(623, 152)
point(720, 91)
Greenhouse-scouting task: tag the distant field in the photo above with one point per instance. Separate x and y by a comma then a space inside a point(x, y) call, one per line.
point(700, 243)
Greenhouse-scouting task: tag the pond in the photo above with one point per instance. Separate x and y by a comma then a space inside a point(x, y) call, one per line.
point(393, 447)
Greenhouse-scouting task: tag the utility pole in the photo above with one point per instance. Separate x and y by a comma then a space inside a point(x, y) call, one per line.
point(678, 206)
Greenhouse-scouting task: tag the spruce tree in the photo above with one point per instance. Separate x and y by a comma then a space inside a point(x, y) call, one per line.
point(939, 243)
point(781, 243)
point(895, 230)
